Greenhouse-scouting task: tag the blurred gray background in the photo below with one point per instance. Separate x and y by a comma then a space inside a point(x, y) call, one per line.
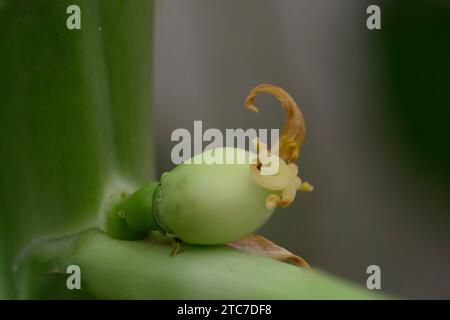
point(370, 206)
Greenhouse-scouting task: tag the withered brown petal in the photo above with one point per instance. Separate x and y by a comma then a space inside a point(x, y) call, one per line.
point(257, 244)
point(294, 129)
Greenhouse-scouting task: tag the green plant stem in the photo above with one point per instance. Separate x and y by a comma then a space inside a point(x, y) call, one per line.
point(117, 269)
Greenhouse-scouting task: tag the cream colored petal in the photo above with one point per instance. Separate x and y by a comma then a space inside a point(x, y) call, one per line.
point(272, 201)
point(293, 168)
point(275, 183)
point(297, 182)
point(288, 195)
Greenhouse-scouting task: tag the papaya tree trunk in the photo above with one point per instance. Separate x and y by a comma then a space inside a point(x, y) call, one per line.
point(75, 115)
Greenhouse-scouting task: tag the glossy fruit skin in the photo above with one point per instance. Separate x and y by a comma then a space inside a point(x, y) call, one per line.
point(211, 203)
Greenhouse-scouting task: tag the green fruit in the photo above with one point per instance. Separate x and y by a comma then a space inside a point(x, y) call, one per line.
point(197, 203)
point(220, 195)
point(212, 203)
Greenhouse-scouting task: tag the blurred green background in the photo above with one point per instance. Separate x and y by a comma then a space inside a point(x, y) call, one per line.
point(376, 104)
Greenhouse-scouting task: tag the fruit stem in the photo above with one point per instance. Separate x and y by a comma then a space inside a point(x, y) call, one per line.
point(131, 216)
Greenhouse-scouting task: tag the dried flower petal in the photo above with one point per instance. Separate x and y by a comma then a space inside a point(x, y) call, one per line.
point(294, 129)
point(257, 244)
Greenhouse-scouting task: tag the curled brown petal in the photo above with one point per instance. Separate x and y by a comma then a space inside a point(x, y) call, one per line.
point(294, 129)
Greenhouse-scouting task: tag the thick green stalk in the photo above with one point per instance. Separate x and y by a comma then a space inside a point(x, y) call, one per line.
point(116, 269)
point(75, 115)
